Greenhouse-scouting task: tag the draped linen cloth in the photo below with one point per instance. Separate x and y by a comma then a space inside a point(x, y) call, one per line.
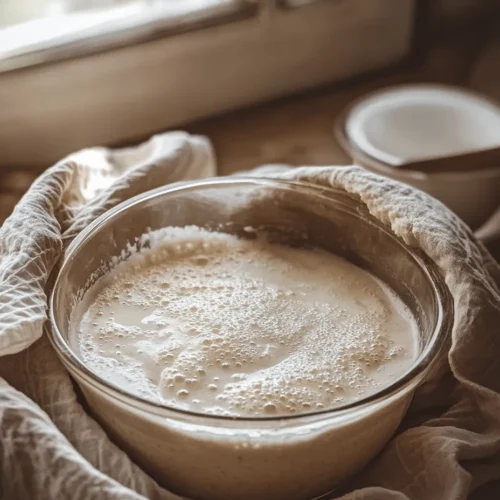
point(448, 447)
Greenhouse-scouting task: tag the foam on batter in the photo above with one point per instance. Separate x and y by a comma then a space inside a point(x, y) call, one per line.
point(212, 323)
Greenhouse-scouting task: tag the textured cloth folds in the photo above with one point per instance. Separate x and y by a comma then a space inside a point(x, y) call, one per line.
point(449, 444)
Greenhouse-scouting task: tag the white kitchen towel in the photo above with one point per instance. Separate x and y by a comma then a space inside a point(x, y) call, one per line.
point(449, 444)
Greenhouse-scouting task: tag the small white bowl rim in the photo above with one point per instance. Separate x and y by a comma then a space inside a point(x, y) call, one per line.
point(358, 154)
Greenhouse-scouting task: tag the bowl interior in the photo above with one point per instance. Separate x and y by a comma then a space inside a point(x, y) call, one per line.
point(289, 213)
point(408, 123)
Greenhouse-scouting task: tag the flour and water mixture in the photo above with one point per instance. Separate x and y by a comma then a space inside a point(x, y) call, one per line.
point(209, 322)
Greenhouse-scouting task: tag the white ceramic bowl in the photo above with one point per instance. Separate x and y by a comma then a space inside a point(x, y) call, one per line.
point(416, 122)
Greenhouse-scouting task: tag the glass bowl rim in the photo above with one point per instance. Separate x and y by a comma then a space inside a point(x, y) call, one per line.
point(411, 377)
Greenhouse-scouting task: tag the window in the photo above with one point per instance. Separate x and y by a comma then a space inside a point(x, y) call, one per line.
point(34, 31)
point(76, 73)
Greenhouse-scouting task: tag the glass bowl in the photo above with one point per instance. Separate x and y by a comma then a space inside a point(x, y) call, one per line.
point(217, 457)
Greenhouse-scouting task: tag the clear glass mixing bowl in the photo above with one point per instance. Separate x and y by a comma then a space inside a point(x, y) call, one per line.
point(216, 457)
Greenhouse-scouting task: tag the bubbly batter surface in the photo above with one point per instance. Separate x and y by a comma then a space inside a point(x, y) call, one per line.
point(212, 323)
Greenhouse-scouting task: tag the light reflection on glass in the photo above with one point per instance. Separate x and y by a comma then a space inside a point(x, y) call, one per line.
point(31, 26)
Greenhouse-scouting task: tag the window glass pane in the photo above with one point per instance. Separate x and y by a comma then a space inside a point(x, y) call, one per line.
point(34, 27)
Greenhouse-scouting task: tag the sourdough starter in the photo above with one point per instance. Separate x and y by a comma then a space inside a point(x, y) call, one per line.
point(207, 322)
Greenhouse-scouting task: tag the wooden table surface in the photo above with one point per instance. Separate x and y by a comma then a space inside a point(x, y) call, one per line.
point(297, 130)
